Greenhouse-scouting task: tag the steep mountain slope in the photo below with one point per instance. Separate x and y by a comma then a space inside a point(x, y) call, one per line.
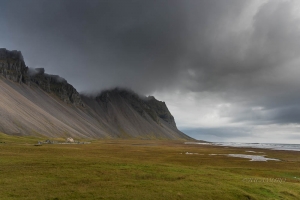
point(35, 103)
point(31, 111)
point(129, 115)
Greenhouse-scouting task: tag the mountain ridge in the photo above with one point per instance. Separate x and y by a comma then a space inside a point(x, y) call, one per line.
point(36, 103)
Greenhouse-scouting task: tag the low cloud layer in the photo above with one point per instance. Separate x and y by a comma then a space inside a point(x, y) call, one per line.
point(220, 65)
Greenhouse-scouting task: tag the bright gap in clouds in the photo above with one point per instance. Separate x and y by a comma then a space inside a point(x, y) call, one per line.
point(205, 117)
point(196, 109)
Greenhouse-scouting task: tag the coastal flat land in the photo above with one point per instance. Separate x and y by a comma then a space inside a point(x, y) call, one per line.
point(142, 169)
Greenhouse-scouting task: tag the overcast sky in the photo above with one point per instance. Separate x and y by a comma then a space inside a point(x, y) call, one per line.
point(227, 69)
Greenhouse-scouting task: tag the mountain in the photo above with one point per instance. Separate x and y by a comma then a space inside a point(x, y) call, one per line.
point(35, 103)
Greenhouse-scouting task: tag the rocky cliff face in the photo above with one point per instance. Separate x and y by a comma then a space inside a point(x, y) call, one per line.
point(56, 85)
point(126, 114)
point(12, 67)
point(157, 110)
point(161, 110)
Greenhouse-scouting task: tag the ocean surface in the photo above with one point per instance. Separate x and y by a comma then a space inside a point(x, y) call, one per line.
point(274, 146)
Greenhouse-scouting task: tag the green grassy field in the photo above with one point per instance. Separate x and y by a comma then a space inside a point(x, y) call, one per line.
point(141, 169)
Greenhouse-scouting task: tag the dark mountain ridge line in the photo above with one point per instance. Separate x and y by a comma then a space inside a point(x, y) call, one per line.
point(12, 67)
point(112, 113)
point(142, 104)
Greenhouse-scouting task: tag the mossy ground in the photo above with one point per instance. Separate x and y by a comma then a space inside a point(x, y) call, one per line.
point(141, 169)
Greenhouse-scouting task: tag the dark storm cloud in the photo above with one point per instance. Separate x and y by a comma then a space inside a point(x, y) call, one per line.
point(245, 52)
point(130, 43)
point(225, 56)
point(252, 67)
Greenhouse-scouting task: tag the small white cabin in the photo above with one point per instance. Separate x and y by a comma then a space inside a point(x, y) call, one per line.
point(69, 139)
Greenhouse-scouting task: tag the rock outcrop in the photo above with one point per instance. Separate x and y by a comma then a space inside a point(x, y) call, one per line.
point(12, 67)
point(157, 110)
point(56, 85)
point(127, 114)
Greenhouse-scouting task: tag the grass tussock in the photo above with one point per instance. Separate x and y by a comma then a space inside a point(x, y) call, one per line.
point(141, 169)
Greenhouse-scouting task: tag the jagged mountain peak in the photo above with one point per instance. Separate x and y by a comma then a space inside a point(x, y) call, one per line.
point(145, 106)
point(14, 54)
point(12, 67)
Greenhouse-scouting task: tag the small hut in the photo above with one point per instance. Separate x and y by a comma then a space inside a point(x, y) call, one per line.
point(70, 140)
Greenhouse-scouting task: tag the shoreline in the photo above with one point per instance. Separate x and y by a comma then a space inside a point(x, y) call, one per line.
point(269, 146)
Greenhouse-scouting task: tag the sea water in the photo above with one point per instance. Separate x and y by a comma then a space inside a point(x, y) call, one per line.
point(274, 146)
